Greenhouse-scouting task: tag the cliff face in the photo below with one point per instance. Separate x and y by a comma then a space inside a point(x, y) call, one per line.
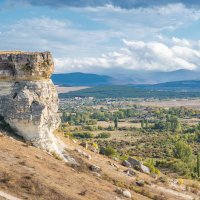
point(28, 98)
point(25, 66)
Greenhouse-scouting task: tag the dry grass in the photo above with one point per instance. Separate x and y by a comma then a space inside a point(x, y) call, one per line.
point(30, 173)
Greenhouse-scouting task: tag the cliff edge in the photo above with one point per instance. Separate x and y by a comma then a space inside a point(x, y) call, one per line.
point(28, 98)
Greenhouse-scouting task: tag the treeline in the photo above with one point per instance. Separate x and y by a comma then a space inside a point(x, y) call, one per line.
point(128, 92)
point(180, 112)
point(91, 118)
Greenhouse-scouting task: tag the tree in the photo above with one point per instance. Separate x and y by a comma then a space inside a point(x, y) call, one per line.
point(116, 122)
point(146, 124)
point(142, 124)
point(182, 151)
point(159, 125)
point(110, 151)
point(198, 164)
point(175, 124)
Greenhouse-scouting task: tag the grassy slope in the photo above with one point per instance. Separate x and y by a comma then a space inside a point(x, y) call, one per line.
point(29, 173)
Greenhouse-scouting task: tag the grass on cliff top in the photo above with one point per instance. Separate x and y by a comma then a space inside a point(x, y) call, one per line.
point(11, 52)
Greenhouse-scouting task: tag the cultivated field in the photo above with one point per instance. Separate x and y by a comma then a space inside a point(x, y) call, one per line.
point(69, 89)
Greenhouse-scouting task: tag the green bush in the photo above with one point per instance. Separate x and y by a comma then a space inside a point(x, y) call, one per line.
point(109, 151)
point(151, 165)
point(182, 151)
point(111, 128)
point(103, 135)
point(90, 128)
point(85, 135)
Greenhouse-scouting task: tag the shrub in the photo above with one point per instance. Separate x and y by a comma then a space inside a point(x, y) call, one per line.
point(111, 128)
point(182, 151)
point(180, 181)
point(68, 134)
point(109, 151)
point(124, 157)
point(56, 156)
point(181, 167)
point(151, 165)
point(83, 135)
point(95, 145)
point(90, 128)
point(103, 135)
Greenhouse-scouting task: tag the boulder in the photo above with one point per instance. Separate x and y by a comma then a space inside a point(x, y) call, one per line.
point(84, 154)
point(138, 165)
point(123, 192)
point(140, 183)
point(145, 169)
point(130, 172)
point(93, 149)
point(127, 194)
point(126, 163)
point(84, 144)
point(95, 168)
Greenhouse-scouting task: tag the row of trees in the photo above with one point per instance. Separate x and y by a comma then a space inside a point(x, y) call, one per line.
point(86, 117)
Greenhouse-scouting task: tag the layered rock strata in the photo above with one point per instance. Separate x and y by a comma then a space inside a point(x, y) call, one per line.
point(28, 98)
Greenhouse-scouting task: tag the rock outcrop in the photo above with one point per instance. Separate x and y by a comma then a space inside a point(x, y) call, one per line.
point(28, 98)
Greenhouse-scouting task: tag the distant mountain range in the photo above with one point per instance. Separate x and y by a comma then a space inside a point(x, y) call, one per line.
point(124, 78)
point(81, 79)
point(187, 85)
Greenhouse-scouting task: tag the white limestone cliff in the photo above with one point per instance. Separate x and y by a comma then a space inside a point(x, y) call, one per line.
point(28, 98)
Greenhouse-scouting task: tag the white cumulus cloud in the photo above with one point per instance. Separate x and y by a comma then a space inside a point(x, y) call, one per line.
point(140, 55)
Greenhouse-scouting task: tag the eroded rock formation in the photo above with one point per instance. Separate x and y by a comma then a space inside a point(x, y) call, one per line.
point(28, 98)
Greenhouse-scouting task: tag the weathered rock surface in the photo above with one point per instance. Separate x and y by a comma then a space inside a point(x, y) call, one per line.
point(124, 192)
point(25, 65)
point(28, 98)
point(138, 165)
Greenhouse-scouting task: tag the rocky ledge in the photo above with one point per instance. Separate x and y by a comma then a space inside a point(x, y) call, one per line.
point(25, 65)
point(28, 98)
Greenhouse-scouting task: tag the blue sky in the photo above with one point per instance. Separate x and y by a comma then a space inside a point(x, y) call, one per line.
point(99, 35)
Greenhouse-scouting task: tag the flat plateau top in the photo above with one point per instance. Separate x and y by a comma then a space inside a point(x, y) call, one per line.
point(19, 52)
point(11, 52)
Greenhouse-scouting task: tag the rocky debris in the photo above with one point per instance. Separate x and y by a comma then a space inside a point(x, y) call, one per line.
point(96, 174)
point(84, 144)
point(84, 154)
point(69, 158)
point(93, 149)
point(113, 165)
point(74, 141)
point(129, 172)
point(95, 168)
point(138, 165)
point(39, 157)
point(126, 163)
point(83, 193)
point(127, 194)
point(155, 176)
point(28, 98)
point(123, 192)
point(140, 183)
